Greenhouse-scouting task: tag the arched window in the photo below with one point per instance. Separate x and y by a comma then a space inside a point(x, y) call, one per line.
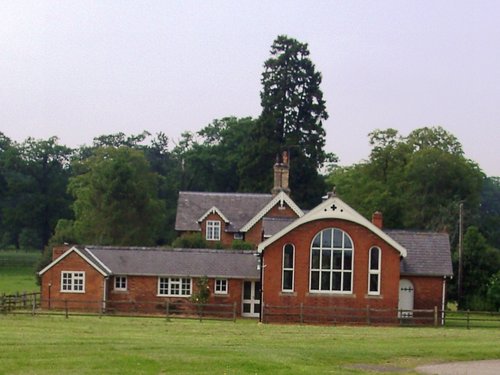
point(374, 271)
point(288, 267)
point(332, 256)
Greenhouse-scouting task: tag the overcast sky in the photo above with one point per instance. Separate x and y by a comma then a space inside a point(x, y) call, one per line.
point(80, 69)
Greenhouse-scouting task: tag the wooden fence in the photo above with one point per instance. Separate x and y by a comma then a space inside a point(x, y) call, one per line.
point(29, 303)
point(168, 309)
point(19, 301)
point(302, 314)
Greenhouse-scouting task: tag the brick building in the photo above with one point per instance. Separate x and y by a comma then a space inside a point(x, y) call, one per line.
point(329, 257)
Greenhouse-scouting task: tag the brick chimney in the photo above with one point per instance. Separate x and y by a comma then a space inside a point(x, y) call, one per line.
point(377, 219)
point(281, 174)
point(59, 250)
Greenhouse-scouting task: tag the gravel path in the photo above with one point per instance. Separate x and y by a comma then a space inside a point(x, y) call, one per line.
point(490, 367)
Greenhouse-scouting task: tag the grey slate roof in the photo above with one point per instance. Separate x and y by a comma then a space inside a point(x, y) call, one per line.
point(178, 262)
point(428, 253)
point(273, 225)
point(238, 208)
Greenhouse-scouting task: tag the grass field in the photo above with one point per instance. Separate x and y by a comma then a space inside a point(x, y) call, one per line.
point(111, 345)
point(17, 271)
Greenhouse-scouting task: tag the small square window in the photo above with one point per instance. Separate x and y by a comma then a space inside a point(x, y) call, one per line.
point(221, 286)
point(120, 282)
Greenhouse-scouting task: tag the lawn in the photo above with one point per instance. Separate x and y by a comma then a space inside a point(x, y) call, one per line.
point(114, 345)
point(17, 271)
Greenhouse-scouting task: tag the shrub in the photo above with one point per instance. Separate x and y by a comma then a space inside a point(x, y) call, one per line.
point(242, 245)
point(190, 241)
point(202, 293)
point(493, 293)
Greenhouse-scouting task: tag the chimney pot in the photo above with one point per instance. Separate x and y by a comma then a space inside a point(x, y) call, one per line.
point(57, 251)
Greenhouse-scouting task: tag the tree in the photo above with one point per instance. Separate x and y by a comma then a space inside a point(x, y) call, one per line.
point(416, 181)
point(117, 199)
point(481, 262)
point(489, 217)
point(211, 158)
point(293, 110)
point(35, 175)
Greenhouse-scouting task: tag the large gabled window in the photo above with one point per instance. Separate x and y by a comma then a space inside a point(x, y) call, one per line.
point(73, 282)
point(374, 271)
point(213, 230)
point(288, 267)
point(332, 257)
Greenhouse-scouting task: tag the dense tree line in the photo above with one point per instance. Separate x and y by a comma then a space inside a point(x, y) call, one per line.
point(122, 189)
point(419, 182)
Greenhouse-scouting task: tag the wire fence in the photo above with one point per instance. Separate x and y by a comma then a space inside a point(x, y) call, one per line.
point(31, 303)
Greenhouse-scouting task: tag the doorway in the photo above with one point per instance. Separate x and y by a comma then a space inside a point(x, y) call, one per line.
point(251, 299)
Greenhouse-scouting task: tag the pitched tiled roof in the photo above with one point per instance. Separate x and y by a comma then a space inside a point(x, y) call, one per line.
point(272, 225)
point(177, 262)
point(428, 253)
point(238, 208)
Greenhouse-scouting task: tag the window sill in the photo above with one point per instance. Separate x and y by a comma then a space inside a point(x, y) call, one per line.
point(330, 295)
point(120, 291)
point(221, 295)
point(73, 291)
point(174, 295)
point(374, 296)
point(288, 294)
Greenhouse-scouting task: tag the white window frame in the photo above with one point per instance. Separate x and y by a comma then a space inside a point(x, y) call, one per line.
point(213, 229)
point(221, 286)
point(288, 269)
point(174, 286)
point(374, 271)
point(331, 249)
point(72, 281)
point(120, 283)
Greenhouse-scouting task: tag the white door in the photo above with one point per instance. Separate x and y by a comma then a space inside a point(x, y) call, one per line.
point(251, 299)
point(405, 303)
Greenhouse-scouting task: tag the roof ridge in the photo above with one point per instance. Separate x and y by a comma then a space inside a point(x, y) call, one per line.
point(226, 193)
point(169, 249)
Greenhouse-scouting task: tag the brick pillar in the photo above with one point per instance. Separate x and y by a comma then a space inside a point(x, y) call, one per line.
point(377, 219)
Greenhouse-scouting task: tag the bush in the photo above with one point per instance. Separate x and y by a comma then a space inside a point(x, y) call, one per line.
point(493, 293)
point(190, 241)
point(242, 245)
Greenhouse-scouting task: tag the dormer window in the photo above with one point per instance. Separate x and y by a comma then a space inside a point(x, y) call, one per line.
point(213, 230)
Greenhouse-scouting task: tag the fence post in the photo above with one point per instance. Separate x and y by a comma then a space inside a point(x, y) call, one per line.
point(301, 312)
point(468, 319)
point(435, 316)
point(167, 311)
point(66, 308)
point(234, 312)
point(33, 305)
point(368, 320)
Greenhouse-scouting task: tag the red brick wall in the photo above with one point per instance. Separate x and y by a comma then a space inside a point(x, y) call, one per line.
point(225, 238)
point(278, 211)
point(141, 296)
point(428, 291)
point(94, 286)
point(302, 238)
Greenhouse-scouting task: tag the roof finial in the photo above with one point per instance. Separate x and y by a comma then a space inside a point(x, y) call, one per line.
point(332, 193)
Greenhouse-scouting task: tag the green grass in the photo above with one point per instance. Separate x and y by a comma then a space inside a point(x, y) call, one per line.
point(112, 345)
point(17, 271)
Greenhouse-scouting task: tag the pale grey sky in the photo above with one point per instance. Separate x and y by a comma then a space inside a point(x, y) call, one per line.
point(80, 69)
